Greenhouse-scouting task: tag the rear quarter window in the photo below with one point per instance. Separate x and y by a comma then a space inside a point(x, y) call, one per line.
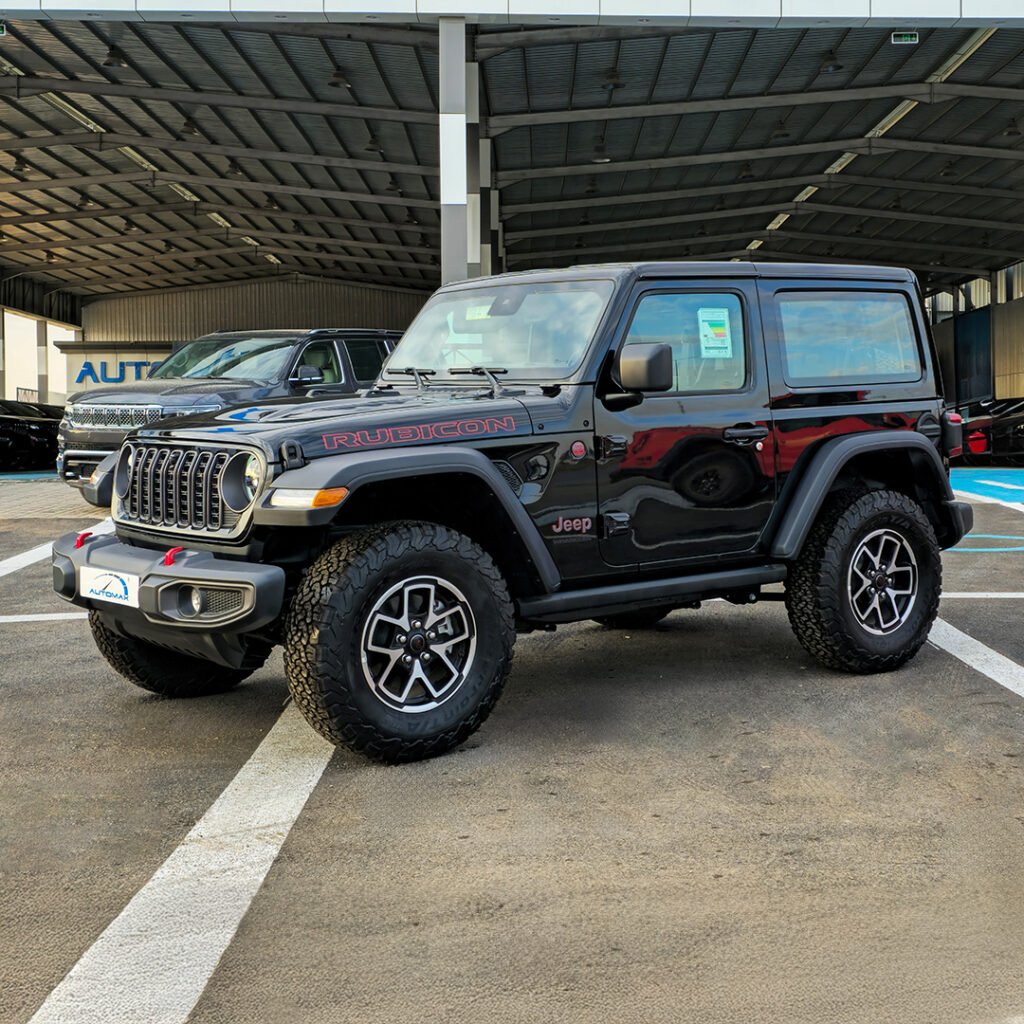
point(843, 337)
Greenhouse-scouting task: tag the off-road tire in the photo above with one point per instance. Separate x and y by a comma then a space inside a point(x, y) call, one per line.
point(324, 636)
point(642, 618)
point(817, 595)
point(166, 672)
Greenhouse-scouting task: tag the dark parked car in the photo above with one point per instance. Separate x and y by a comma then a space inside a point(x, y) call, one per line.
point(28, 435)
point(217, 371)
point(994, 432)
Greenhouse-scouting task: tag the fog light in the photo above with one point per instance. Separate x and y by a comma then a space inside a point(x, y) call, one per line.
point(191, 601)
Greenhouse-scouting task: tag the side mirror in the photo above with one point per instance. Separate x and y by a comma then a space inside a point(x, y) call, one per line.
point(645, 368)
point(306, 376)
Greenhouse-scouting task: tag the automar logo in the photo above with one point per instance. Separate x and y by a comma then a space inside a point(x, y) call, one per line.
point(445, 431)
point(109, 587)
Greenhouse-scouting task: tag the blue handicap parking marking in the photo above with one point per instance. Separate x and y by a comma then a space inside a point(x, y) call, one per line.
point(1001, 484)
point(966, 545)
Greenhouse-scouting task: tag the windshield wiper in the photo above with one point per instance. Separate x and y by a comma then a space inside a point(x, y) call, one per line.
point(420, 375)
point(484, 371)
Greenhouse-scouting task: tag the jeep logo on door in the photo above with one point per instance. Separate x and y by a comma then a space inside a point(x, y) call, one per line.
point(580, 525)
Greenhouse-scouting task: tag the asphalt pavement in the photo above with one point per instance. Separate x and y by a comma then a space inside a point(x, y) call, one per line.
point(692, 823)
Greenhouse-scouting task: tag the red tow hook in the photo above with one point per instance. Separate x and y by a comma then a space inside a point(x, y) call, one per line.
point(81, 538)
point(171, 555)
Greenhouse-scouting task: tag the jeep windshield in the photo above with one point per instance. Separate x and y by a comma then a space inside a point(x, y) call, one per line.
point(232, 357)
point(534, 330)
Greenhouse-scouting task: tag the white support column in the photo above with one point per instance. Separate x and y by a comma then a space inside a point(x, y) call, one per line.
point(473, 171)
point(42, 364)
point(453, 162)
point(488, 207)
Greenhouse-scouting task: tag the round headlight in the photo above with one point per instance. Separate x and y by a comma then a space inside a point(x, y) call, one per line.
point(253, 477)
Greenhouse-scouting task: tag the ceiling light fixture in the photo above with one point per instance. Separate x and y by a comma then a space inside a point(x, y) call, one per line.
point(373, 145)
point(189, 127)
point(591, 189)
point(600, 155)
point(114, 58)
point(392, 186)
point(234, 170)
point(19, 166)
point(339, 80)
point(780, 132)
point(613, 80)
point(830, 64)
point(1012, 130)
point(948, 170)
point(746, 172)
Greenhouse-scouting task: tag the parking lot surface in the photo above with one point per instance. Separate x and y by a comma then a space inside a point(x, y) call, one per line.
point(691, 823)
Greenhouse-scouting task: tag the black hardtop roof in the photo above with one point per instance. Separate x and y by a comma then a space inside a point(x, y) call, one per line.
point(694, 268)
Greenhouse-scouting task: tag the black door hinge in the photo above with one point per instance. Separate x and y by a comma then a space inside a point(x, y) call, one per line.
point(612, 445)
point(614, 524)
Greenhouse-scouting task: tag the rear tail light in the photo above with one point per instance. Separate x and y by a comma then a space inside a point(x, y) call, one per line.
point(952, 434)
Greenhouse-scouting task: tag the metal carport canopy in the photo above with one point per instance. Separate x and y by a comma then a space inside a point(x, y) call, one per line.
point(144, 148)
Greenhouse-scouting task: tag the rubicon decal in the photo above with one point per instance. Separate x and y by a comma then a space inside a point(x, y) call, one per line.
point(419, 432)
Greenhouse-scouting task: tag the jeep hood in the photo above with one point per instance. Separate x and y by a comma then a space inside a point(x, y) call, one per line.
point(325, 426)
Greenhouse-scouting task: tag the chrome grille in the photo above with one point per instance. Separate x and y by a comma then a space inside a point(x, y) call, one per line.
point(176, 488)
point(120, 417)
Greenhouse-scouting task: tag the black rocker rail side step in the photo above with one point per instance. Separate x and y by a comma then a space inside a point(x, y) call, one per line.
point(574, 605)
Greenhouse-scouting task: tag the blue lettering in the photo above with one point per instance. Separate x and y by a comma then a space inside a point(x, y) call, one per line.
point(87, 371)
point(119, 379)
point(138, 364)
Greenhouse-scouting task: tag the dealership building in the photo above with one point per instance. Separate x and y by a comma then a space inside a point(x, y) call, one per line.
point(165, 172)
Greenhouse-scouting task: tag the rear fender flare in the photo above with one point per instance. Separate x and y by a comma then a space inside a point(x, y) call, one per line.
point(812, 489)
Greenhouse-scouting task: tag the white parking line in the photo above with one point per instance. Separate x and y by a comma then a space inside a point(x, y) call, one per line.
point(999, 483)
point(1010, 595)
point(978, 656)
point(44, 617)
point(985, 500)
point(154, 960)
point(37, 554)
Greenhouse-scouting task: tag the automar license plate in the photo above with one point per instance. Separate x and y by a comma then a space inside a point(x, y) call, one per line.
point(112, 587)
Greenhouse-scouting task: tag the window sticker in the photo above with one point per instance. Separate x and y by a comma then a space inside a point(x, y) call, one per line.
point(478, 312)
point(715, 333)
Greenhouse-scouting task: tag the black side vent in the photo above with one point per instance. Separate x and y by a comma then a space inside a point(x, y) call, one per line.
point(512, 478)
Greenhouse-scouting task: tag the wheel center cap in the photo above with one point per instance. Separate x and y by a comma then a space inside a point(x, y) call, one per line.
point(417, 643)
point(881, 581)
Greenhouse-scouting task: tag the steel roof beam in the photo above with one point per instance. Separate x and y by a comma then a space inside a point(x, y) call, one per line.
point(391, 36)
point(499, 123)
point(859, 145)
point(793, 208)
point(153, 178)
point(922, 92)
point(490, 44)
point(21, 86)
point(100, 141)
point(872, 241)
point(213, 232)
point(142, 210)
point(760, 185)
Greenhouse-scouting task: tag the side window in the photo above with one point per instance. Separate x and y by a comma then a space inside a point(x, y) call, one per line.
point(705, 332)
point(846, 337)
point(322, 355)
point(367, 357)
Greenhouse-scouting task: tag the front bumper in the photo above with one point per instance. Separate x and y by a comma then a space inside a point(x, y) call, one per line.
point(236, 598)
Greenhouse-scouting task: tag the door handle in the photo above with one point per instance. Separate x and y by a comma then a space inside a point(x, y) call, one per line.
point(743, 434)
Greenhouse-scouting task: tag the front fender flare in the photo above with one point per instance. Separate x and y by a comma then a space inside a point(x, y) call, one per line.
point(357, 469)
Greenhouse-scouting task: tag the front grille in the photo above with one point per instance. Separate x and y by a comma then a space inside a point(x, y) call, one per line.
point(176, 488)
point(118, 417)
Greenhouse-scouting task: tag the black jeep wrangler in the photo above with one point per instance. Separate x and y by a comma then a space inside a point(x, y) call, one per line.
point(607, 442)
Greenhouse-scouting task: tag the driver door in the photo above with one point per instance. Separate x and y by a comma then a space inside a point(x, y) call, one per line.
point(689, 473)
